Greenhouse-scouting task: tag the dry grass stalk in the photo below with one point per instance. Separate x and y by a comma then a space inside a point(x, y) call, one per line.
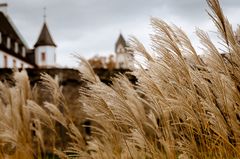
point(181, 107)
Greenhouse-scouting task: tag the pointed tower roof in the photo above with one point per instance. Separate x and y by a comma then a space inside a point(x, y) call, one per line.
point(45, 38)
point(121, 40)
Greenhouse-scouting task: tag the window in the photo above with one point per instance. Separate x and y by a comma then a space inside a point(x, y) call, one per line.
point(16, 47)
point(23, 51)
point(14, 63)
point(5, 61)
point(8, 42)
point(121, 64)
point(43, 56)
point(121, 49)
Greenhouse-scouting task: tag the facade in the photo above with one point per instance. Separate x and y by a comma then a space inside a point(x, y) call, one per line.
point(14, 52)
point(124, 57)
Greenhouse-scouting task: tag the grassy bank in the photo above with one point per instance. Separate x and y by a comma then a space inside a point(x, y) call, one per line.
point(182, 106)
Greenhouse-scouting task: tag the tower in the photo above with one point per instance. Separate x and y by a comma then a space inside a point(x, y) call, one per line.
point(124, 58)
point(44, 48)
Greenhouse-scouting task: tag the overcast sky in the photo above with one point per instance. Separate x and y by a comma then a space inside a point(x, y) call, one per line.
point(91, 27)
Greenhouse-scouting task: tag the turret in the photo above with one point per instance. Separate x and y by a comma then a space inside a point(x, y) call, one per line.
point(45, 55)
point(120, 46)
point(124, 59)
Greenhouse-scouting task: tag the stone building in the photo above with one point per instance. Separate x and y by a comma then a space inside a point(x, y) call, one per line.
point(14, 52)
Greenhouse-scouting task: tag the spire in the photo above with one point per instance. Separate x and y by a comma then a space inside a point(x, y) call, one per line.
point(120, 41)
point(45, 37)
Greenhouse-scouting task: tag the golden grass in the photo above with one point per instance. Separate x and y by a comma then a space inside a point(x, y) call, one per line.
point(181, 107)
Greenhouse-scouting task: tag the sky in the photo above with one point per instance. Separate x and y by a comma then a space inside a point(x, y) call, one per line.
point(91, 27)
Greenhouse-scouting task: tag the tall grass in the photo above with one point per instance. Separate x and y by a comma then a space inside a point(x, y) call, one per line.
point(181, 107)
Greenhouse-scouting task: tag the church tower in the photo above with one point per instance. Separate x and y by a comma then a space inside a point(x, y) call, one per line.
point(124, 59)
point(44, 49)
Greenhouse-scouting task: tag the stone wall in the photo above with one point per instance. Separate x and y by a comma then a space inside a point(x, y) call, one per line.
point(66, 76)
point(71, 82)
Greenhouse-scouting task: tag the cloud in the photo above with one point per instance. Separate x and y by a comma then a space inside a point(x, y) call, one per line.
point(92, 26)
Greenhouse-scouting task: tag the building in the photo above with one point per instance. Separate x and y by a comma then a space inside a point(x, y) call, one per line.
point(14, 52)
point(124, 57)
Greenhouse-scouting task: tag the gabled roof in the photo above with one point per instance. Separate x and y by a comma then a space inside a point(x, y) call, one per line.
point(6, 28)
point(45, 37)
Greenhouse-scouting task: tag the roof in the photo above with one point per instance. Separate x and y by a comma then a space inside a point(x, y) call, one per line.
point(7, 29)
point(45, 38)
point(121, 41)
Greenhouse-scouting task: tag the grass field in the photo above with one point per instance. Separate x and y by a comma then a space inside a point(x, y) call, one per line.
point(182, 106)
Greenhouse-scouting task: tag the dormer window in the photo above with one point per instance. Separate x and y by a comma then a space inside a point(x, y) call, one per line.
point(23, 51)
point(16, 49)
point(0, 37)
point(8, 42)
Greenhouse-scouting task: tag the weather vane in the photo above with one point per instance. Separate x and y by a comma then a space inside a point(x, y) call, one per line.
point(44, 14)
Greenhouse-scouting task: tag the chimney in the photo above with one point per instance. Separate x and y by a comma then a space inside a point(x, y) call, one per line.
point(3, 8)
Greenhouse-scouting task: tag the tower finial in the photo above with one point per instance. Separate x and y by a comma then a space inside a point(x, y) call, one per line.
point(44, 14)
point(3, 8)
